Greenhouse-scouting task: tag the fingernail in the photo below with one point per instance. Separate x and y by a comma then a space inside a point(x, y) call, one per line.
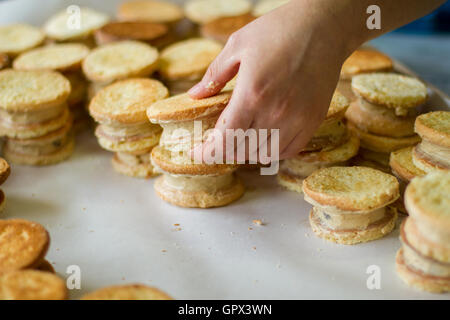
point(195, 90)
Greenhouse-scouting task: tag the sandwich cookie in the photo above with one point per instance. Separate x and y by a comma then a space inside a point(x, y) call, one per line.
point(351, 204)
point(265, 6)
point(60, 29)
point(120, 110)
point(433, 153)
point(204, 11)
point(18, 38)
point(5, 170)
point(423, 261)
point(119, 61)
point(384, 112)
point(32, 285)
point(186, 123)
point(359, 62)
point(65, 58)
point(222, 28)
point(154, 34)
point(403, 168)
point(183, 64)
point(23, 246)
point(128, 292)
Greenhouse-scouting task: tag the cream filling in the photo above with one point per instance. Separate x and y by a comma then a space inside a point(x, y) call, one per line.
point(349, 221)
point(37, 149)
point(304, 169)
point(134, 160)
point(124, 132)
point(401, 112)
point(435, 152)
point(426, 265)
point(209, 184)
point(31, 117)
point(433, 234)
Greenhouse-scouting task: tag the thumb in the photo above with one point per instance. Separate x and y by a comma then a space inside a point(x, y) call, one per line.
point(221, 70)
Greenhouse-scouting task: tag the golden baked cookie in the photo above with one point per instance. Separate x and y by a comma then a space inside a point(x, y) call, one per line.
point(365, 61)
point(32, 285)
point(5, 170)
point(127, 292)
point(150, 11)
point(434, 127)
point(188, 59)
point(23, 244)
point(183, 108)
point(120, 60)
point(18, 38)
point(352, 189)
point(380, 143)
point(390, 90)
point(222, 28)
point(204, 11)
point(58, 57)
point(23, 91)
point(403, 166)
point(62, 27)
point(136, 166)
point(263, 7)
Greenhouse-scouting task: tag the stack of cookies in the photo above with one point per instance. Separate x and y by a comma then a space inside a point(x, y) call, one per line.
point(118, 61)
point(433, 153)
point(423, 261)
point(222, 28)
point(351, 204)
point(183, 64)
point(204, 11)
point(120, 110)
point(16, 39)
point(265, 6)
point(331, 145)
point(127, 292)
point(65, 58)
point(76, 25)
point(383, 115)
point(186, 183)
point(361, 61)
point(34, 117)
point(24, 273)
point(5, 170)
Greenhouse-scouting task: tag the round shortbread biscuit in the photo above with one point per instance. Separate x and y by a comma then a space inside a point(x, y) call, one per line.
point(204, 11)
point(427, 199)
point(222, 28)
point(46, 267)
point(402, 164)
point(142, 170)
point(265, 6)
point(120, 60)
point(426, 163)
point(380, 123)
point(36, 130)
point(41, 160)
point(22, 91)
point(434, 127)
point(353, 189)
point(161, 158)
point(188, 59)
point(365, 61)
point(63, 27)
point(183, 108)
point(380, 143)
point(23, 244)
point(5, 170)
point(419, 280)
point(18, 38)
point(199, 199)
point(58, 57)
point(374, 231)
point(127, 292)
point(32, 285)
point(150, 10)
point(411, 235)
point(390, 90)
point(127, 101)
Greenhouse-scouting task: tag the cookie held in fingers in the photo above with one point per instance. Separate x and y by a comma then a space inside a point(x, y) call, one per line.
point(23, 244)
point(127, 292)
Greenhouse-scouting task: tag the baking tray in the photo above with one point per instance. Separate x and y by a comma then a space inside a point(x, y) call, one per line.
point(118, 231)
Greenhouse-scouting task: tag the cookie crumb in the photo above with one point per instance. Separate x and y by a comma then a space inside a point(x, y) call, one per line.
point(258, 222)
